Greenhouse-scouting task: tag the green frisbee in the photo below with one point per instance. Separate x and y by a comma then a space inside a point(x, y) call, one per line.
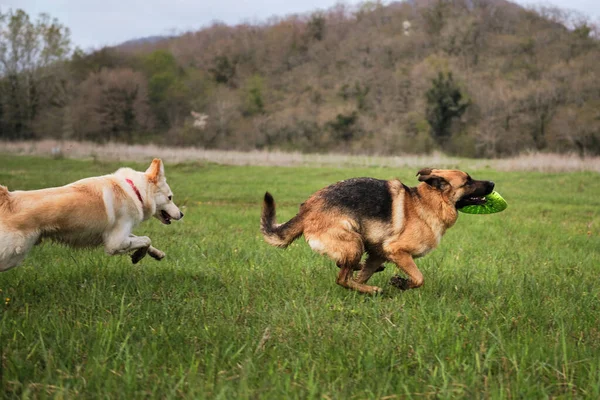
point(493, 203)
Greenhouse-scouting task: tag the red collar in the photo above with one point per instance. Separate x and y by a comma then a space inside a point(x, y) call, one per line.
point(135, 189)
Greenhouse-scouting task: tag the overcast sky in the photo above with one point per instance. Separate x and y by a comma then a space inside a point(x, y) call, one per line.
point(95, 23)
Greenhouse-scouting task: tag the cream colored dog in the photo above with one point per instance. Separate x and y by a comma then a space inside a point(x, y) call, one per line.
point(91, 212)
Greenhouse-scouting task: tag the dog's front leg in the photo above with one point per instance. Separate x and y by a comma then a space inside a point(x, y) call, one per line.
point(141, 253)
point(405, 262)
point(137, 256)
point(156, 253)
point(118, 244)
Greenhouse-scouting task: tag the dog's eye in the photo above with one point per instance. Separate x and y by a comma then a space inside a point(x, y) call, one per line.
point(469, 182)
point(170, 197)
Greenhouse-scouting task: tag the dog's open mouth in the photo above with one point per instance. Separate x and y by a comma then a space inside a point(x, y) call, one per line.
point(165, 218)
point(471, 201)
point(477, 196)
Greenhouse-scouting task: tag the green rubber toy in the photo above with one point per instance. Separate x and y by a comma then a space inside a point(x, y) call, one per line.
point(493, 203)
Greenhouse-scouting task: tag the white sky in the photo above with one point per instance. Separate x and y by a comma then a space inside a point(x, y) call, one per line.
point(94, 23)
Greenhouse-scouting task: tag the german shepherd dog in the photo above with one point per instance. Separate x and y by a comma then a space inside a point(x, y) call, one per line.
point(385, 219)
point(94, 211)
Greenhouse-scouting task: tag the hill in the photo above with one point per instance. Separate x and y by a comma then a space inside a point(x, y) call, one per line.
point(143, 40)
point(468, 77)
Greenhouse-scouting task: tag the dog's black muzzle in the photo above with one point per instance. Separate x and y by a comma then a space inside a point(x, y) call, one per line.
point(477, 196)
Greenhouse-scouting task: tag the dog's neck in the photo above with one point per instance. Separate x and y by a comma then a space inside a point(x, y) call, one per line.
point(447, 215)
point(135, 189)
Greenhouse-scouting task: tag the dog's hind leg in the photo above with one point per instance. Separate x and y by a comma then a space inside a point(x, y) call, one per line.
point(371, 265)
point(347, 254)
point(356, 267)
point(361, 265)
point(340, 241)
point(345, 279)
point(14, 248)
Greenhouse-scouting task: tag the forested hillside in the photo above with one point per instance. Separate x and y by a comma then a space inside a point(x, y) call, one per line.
point(483, 78)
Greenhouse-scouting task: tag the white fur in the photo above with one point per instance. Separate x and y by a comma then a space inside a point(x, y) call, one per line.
point(316, 245)
point(93, 211)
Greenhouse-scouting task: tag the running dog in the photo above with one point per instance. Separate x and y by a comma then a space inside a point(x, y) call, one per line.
point(90, 212)
point(385, 219)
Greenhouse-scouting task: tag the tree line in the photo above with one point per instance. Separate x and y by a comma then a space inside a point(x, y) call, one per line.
point(478, 78)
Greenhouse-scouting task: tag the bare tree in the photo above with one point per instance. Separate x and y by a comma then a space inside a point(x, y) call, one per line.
point(112, 105)
point(32, 75)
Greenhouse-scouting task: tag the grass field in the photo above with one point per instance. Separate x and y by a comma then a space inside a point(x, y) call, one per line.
point(510, 307)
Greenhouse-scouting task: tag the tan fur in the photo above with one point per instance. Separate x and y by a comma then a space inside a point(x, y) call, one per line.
point(5, 203)
point(154, 171)
point(420, 217)
point(90, 212)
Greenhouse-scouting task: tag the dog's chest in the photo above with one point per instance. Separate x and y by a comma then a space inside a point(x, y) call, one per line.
point(422, 251)
point(432, 240)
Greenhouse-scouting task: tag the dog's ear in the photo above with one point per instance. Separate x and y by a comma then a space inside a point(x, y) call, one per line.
point(426, 175)
point(424, 171)
point(156, 170)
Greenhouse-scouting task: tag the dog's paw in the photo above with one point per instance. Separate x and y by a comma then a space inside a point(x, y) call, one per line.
point(138, 255)
point(156, 253)
point(377, 291)
point(400, 282)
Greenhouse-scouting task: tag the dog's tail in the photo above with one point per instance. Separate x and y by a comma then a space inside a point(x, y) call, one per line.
point(280, 235)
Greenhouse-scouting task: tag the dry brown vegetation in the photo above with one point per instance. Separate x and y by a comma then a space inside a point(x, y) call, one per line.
point(540, 162)
point(474, 78)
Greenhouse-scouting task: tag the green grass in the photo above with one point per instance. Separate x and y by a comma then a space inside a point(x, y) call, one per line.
point(509, 309)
